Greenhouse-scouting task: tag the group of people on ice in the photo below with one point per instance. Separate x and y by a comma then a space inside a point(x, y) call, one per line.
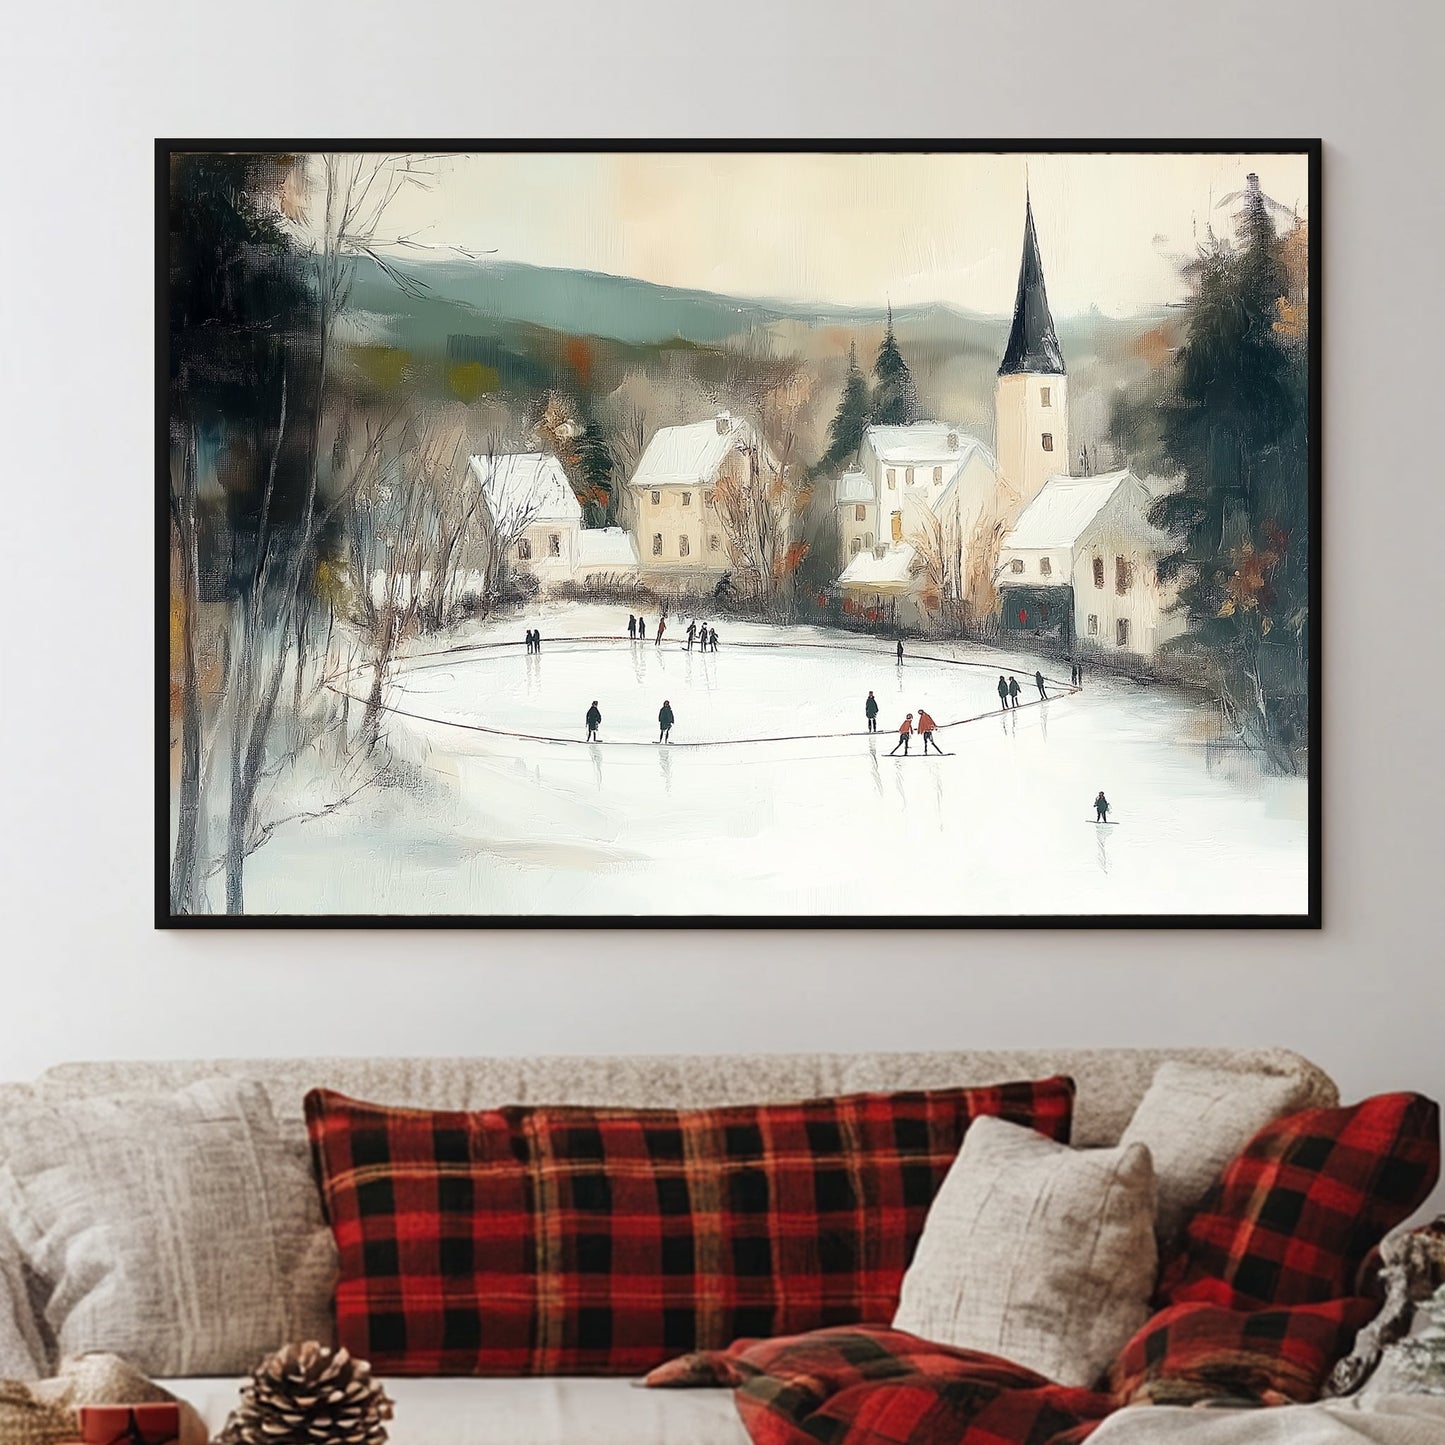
point(1009, 689)
point(697, 632)
point(665, 720)
point(925, 728)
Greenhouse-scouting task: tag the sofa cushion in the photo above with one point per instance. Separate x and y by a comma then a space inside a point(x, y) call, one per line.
point(180, 1231)
point(1190, 1353)
point(524, 1412)
point(1295, 1213)
point(1195, 1118)
point(601, 1241)
point(1035, 1252)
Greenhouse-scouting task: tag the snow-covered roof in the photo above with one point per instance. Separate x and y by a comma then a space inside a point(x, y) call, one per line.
point(892, 572)
point(923, 441)
point(853, 487)
point(526, 485)
point(1063, 510)
point(690, 455)
point(606, 547)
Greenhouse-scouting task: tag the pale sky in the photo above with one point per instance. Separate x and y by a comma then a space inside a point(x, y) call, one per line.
point(852, 229)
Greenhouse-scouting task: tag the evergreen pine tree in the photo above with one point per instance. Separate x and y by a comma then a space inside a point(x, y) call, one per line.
point(847, 427)
point(595, 464)
point(894, 398)
point(1235, 426)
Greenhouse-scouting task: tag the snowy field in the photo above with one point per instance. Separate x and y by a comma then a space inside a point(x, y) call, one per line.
point(819, 821)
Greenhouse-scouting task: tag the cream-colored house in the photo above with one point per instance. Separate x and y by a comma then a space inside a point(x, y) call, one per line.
point(532, 524)
point(1079, 568)
point(674, 494)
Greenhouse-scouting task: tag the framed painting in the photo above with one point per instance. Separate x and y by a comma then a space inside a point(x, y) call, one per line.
point(737, 533)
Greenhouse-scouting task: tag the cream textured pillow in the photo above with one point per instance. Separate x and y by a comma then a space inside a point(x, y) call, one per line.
point(1041, 1254)
point(1195, 1118)
point(180, 1231)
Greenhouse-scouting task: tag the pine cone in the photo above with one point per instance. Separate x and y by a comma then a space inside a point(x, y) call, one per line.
point(310, 1395)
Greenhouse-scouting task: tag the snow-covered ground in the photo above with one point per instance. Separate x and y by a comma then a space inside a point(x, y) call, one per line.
point(820, 822)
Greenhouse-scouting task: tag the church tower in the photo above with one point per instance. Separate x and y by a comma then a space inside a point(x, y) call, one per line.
point(1031, 399)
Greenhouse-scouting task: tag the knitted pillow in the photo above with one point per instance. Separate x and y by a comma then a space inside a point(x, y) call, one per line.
point(602, 1240)
point(1294, 1215)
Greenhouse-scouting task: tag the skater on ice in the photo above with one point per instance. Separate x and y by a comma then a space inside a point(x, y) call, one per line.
point(870, 711)
point(642, 629)
point(1002, 690)
point(594, 721)
point(1013, 691)
point(1039, 680)
point(904, 733)
point(900, 652)
point(926, 728)
point(692, 633)
point(1101, 808)
point(664, 719)
point(712, 639)
point(661, 628)
point(632, 627)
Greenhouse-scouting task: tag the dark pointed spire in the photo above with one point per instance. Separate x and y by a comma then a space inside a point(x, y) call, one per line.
point(1032, 345)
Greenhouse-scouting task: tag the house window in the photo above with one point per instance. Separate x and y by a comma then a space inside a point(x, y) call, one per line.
point(1017, 565)
point(687, 499)
point(1121, 632)
point(657, 499)
point(892, 479)
point(524, 550)
point(1045, 567)
point(1044, 612)
point(554, 545)
point(656, 542)
point(855, 547)
point(937, 475)
point(908, 476)
point(714, 543)
point(860, 513)
point(1098, 571)
point(1123, 575)
point(1093, 624)
point(683, 546)
point(1047, 441)
point(897, 520)
point(708, 498)
point(868, 539)
point(1045, 396)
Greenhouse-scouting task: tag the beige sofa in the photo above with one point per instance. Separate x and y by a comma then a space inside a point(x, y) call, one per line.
point(571, 1411)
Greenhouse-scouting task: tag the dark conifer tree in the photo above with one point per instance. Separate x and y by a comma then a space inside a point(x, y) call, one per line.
point(595, 464)
point(854, 409)
point(894, 397)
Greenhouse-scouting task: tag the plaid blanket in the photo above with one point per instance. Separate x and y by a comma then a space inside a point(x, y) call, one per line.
point(874, 1386)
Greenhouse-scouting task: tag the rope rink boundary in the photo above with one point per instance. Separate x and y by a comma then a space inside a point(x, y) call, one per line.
point(1065, 690)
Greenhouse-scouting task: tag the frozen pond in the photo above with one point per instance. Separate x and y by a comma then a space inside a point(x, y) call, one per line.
point(817, 821)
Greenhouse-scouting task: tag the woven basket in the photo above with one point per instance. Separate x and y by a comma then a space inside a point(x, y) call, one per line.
point(45, 1412)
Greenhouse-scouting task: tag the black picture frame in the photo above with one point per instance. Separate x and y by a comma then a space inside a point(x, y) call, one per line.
point(1310, 918)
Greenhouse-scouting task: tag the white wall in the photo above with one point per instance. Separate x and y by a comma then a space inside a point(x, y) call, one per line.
point(90, 85)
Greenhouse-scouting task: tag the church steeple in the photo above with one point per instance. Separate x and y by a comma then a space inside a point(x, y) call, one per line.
point(1033, 348)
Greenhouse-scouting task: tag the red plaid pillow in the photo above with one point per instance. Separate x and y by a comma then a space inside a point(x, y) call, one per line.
point(1294, 1216)
point(1195, 1352)
point(601, 1241)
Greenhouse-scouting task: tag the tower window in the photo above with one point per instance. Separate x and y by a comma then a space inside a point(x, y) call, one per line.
point(687, 499)
point(656, 541)
point(1046, 397)
point(1045, 567)
point(937, 475)
point(708, 498)
point(554, 545)
point(1098, 571)
point(1017, 565)
point(892, 479)
point(908, 476)
point(860, 512)
point(714, 543)
point(1121, 632)
point(1123, 575)
point(657, 499)
point(683, 546)
point(1047, 441)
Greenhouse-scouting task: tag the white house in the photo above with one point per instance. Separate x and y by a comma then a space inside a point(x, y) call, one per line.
point(532, 514)
point(674, 496)
point(1079, 567)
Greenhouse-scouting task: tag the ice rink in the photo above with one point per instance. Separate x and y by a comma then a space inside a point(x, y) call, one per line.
point(821, 822)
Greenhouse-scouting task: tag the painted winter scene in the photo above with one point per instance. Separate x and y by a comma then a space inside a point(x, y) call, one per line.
point(722, 535)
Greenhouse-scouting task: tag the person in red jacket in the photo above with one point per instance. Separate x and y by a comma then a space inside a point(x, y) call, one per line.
point(904, 733)
point(927, 726)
